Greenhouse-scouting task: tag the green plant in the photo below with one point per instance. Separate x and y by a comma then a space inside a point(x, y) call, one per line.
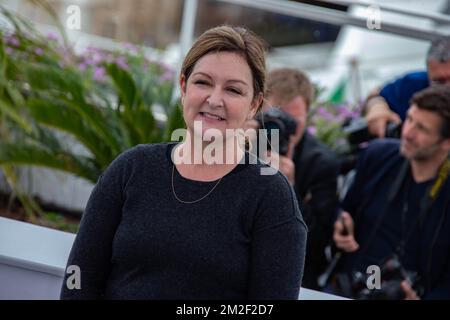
point(52, 99)
point(327, 117)
point(326, 121)
point(55, 220)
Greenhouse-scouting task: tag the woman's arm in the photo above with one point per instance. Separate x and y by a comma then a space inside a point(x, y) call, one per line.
point(278, 245)
point(92, 248)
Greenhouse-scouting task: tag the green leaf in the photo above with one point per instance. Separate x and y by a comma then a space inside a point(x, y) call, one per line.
point(92, 114)
point(52, 13)
point(58, 115)
point(3, 58)
point(125, 86)
point(26, 154)
point(174, 121)
point(339, 93)
point(7, 109)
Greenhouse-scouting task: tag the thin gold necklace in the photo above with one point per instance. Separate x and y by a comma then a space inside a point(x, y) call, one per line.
point(190, 202)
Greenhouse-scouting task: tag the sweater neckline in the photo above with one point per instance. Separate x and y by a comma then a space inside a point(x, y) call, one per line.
point(238, 168)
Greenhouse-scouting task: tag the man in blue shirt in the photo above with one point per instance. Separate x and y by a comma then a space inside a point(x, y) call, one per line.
point(399, 201)
point(391, 103)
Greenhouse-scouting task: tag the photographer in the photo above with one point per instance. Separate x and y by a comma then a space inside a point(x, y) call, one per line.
point(391, 103)
point(309, 165)
point(399, 204)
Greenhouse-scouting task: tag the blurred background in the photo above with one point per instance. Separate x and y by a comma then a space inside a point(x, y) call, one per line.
point(81, 81)
point(85, 80)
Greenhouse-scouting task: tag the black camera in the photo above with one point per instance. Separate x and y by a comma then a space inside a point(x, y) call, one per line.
point(392, 274)
point(276, 119)
point(358, 132)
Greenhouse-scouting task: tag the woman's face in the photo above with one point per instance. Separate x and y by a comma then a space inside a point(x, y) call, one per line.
point(219, 93)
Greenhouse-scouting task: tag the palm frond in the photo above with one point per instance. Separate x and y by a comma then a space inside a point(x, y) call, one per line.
point(28, 154)
point(60, 116)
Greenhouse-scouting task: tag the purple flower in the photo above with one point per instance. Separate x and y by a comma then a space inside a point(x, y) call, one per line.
point(322, 111)
point(130, 47)
point(89, 62)
point(39, 51)
point(355, 114)
point(312, 130)
point(66, 54)
point(99, 74)
point(95, 57)
point(166, 76)
point(82, 66)
point(167, 72)
point(122, 63)
point(165, 67)
point(13, 41)
point(89, 51)
point(343, 111)
point(325, 114)
point(52, 36)
point(9, 50)
point(98, 57)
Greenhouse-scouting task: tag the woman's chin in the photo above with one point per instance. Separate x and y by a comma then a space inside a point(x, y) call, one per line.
point(208, 131)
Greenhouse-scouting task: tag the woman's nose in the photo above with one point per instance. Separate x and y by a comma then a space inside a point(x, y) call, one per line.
point(215, 99)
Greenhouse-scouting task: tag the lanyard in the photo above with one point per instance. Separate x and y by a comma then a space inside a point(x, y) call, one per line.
point(430, 196)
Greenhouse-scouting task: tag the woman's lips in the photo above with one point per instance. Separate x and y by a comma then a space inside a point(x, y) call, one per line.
point(210, 117)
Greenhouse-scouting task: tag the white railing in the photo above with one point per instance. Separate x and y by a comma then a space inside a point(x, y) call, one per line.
point(33, 261)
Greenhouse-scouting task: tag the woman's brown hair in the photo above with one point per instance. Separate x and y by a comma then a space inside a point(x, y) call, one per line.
point(231, 39)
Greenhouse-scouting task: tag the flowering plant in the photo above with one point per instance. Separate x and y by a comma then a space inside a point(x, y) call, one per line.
point(327, 118)
point(52, 98)
point(76, 112)
point(326, 121)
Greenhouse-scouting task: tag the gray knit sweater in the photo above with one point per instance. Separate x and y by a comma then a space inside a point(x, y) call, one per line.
point(246, 240)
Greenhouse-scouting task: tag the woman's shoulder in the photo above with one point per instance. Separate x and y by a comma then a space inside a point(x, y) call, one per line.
point(273, 193)
point(140, 156)
point(145, 152)
point(267, 178)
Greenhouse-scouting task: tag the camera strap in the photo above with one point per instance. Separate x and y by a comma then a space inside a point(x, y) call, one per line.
point(395, 188)
point(431, 195)
point(426, 203)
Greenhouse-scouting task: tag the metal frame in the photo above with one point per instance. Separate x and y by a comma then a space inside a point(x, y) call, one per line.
point(306, 11)
point(186, 38)
point(332, 16)
point(436, 17)
point(311, 12)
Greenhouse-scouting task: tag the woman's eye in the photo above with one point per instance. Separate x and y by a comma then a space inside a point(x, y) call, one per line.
point(234, 90)
point(201, 82)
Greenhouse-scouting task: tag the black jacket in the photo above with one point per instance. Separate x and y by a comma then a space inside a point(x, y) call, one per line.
point(316, 171)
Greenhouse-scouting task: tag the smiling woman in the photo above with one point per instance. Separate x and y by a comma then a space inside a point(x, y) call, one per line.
point(219, 92)
point(218, 98)
point(156, 229)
